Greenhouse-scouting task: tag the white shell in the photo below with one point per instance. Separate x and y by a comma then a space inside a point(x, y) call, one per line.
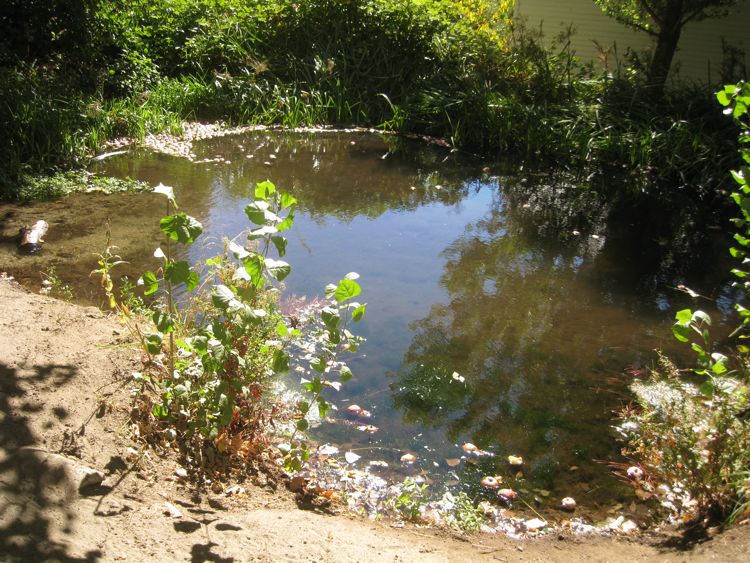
point(568, 503)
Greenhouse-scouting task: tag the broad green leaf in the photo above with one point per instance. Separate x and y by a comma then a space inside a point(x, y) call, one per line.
point(359, 313)
point(302, 425)
point(149, 282)
point(263, 190)
point(720, 363)
point(681, 332)
point(254, 266)
point(347, 289)
point(177, 272)
point(153, 342)
point(261, 232)
point(318, 364)
point(286, 223)
point(160, 411)
point(239, 252)
point(277, 269)
point(702, 317)
point(200, 344)
point(330, 290)
point(258, 212)
point(684, 316)
point(222, 297)
point(707, 388)
point(280, 361)
point(246, 294)
point(330, 317)
point(323, 406)
point(240, 275)
point(280, 243)
point(192, 281)
point(181, 227)
point(281, 329)
point(163, 322)
point(345, 373)
point(287, 200)
point(334, 337)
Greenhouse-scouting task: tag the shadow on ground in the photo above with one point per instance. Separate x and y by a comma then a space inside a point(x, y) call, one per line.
point(36, 496)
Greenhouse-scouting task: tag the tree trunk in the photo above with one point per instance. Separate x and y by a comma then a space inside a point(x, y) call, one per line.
point(666, 46)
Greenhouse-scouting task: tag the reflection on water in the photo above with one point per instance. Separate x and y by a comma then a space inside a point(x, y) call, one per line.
point(484, 325)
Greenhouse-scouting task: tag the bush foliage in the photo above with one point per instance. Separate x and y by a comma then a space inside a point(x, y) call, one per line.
point(458, 69)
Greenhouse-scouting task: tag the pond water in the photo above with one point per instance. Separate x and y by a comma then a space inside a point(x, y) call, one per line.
point(483, 324)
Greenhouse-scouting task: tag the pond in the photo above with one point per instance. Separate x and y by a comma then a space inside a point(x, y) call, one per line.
point(484, 324)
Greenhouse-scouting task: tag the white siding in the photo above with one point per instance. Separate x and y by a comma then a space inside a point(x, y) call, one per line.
point(700, 53)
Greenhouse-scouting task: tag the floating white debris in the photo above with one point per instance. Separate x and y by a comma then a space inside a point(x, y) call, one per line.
point(635, 473)
point(534, 524)
point(351, 457)
point(327, 449)
point(408, 458)
point(469, 447)
point(353, 409)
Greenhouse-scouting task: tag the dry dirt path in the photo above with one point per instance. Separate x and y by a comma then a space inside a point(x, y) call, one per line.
point(63, 405)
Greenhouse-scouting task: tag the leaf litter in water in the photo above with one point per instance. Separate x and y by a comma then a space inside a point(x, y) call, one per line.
point(408, 458)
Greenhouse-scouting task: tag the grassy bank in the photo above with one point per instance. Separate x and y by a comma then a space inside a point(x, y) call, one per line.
point(455, 69)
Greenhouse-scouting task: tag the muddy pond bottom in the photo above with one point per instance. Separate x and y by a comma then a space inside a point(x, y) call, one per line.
point(484, 325)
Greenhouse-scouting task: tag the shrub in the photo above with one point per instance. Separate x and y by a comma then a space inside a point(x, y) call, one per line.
point(692, 432)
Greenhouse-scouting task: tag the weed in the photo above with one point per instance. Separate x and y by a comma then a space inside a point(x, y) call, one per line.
point(463, 514)
point(52, 285)
point(690, 431)
point(411, 500)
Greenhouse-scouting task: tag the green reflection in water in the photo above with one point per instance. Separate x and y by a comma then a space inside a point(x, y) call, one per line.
point(463, 272)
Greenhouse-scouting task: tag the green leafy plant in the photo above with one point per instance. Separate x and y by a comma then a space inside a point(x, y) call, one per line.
point(691, 432)
point(411, 499)
point(221, 360)
point(464, 514)
point(325, 341)
point(54, 286)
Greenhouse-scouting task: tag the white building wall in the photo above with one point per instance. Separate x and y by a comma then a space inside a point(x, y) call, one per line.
point(699, 56)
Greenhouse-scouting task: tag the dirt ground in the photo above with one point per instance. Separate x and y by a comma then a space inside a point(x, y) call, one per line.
point(64, 401)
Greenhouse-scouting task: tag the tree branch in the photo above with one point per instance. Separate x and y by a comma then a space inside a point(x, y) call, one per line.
point(651, 11)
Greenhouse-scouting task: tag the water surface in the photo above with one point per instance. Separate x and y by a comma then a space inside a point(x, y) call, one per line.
point(484, 325)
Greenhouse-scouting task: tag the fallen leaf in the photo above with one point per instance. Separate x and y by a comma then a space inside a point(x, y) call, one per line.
point(453, 461)
point(515, 460)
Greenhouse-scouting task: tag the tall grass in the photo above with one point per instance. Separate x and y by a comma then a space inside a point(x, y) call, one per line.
point(448, 68)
